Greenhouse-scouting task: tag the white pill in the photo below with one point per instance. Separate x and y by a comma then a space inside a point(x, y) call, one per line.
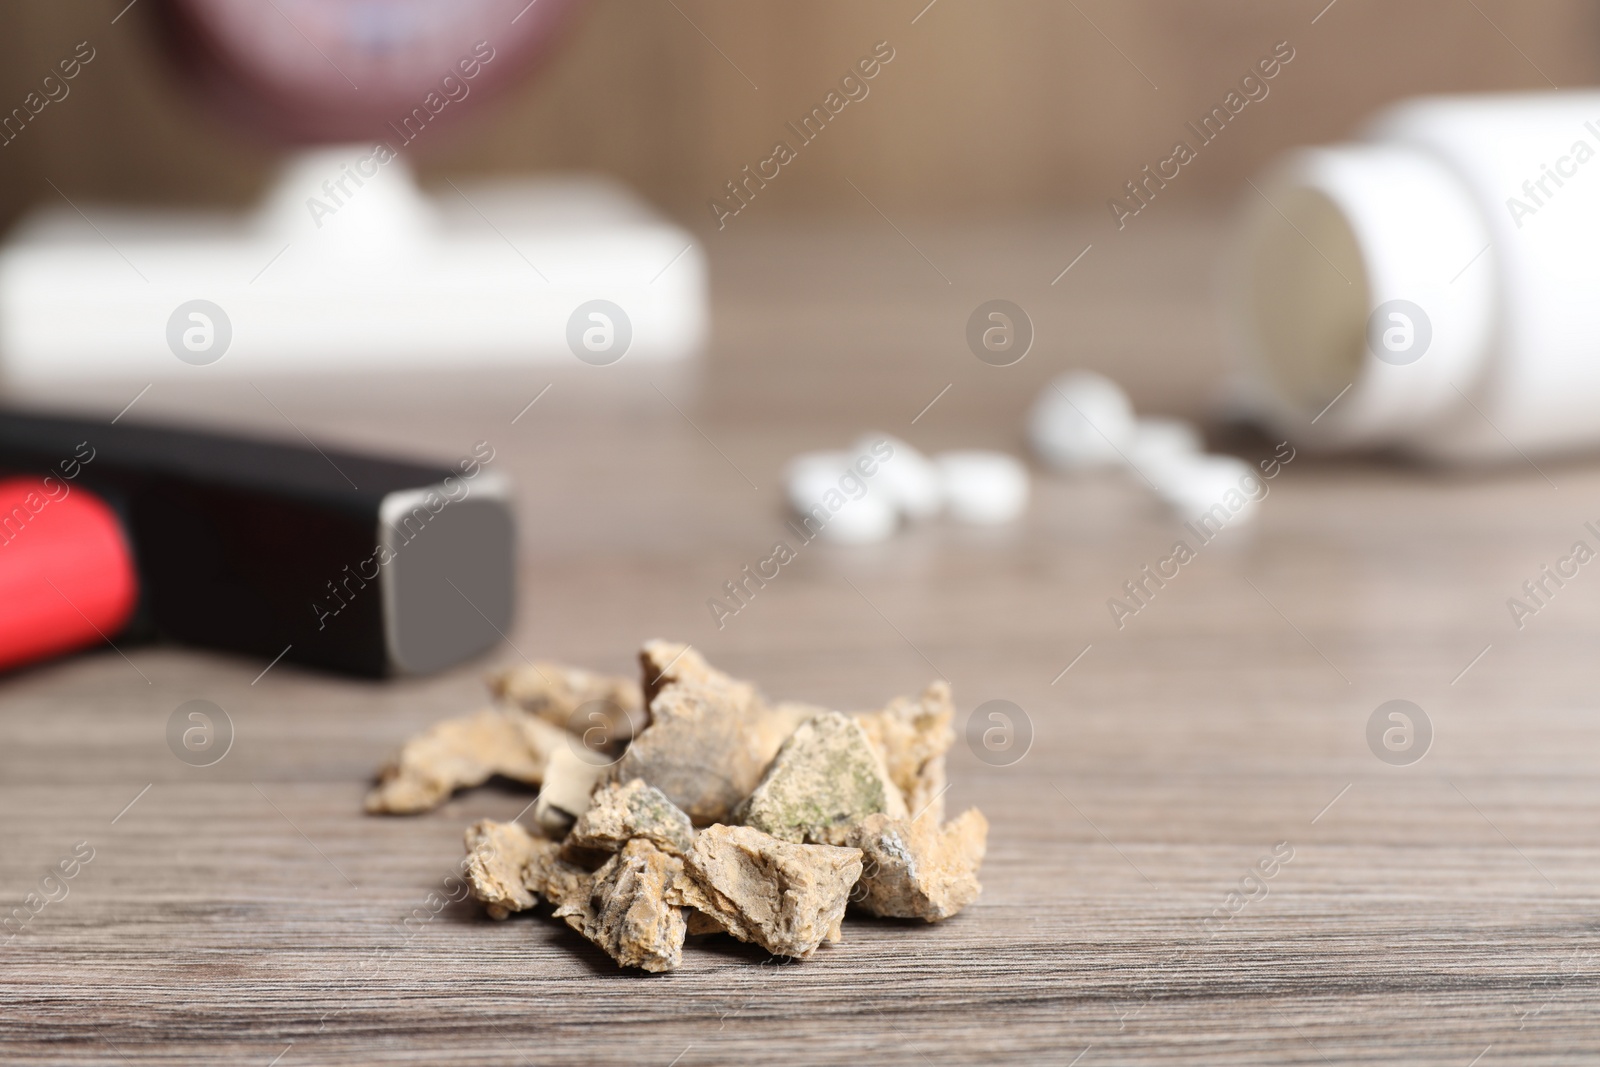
point(983, 487)
point(1158, 443)
point(810, 476)
point(1209, 489)
point(1081, 419)
point(831, 498)
point(904, 476)
point(859, 522)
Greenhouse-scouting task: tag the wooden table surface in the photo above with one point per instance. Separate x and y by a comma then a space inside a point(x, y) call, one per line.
point(1430, 913)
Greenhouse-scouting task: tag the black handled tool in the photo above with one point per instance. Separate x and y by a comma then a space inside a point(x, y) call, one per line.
point(349, 562)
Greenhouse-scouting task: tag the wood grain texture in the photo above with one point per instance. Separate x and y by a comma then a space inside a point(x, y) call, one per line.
point(249, 911)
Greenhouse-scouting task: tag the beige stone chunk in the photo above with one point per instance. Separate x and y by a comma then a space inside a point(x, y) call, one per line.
point(784, 897)
point(553, 692)
point(701, 924)
point(917, 869)
point(913, 734)
point(623, 906)
point(668, 662)
point(506, 865)
point(619, 813)
point(710, 736)
point(569, 783)
point(564, 881)
point(665, 663)
point(458, 753)
point(826, 777)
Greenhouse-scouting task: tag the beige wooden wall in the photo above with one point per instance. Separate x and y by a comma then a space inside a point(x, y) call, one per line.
point(990, 107)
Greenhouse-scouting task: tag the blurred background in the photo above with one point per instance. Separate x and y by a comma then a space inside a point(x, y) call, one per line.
point(990, 146)
point(989, 109)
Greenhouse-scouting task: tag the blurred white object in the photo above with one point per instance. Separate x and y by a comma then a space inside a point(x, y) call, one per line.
point(347, 264)
point(983, 487)
point(1432, 286)
point(1081, 419)
point(828, 489)
point(1197, 486)
point(862, 521)
point(809, 476)
point(908, 479)
point(1159, 443)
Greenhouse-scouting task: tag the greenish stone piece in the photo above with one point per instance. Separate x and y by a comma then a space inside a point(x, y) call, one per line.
point(825, 777)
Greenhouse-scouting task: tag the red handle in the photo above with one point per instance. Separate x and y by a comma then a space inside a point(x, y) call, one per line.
point(67, 578)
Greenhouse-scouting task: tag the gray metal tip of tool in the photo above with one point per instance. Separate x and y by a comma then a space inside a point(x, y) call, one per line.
point(447, 591)
point(351, 562)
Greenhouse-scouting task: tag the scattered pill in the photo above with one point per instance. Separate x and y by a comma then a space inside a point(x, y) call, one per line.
point(1196, 487)
point(983, 487)
point(810, 475)
point(863, 521)
point(1081, 419)
point(907, 478)
point(1158, 443)
point(1084, 420)
point(829, 490)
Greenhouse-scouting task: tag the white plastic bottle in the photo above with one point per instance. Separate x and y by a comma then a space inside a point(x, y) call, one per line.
point(1434, 286)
